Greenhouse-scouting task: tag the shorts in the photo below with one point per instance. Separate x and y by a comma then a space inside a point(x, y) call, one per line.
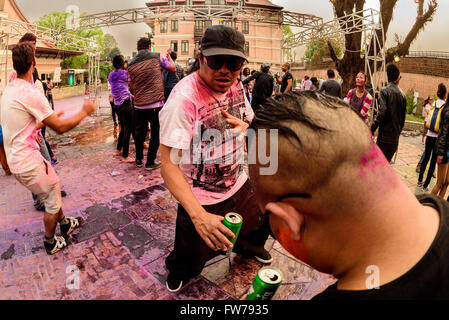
point(44, 182)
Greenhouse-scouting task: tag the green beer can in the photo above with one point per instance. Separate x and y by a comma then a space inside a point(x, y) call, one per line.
point(233, 222)
point(267, 281)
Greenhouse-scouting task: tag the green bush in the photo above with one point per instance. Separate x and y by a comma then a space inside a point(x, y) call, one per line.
point(410, 104)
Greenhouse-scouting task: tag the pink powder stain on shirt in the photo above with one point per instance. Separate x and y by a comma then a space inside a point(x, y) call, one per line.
point(372, 160)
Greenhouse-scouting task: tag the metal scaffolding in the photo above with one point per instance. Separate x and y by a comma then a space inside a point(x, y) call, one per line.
point(368, 22)
point(199, 12)
point(12, 30)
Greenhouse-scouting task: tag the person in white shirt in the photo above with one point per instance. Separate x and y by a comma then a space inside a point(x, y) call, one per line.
point(23, 107)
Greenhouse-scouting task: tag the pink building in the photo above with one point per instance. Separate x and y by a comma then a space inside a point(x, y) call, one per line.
point(181, 29)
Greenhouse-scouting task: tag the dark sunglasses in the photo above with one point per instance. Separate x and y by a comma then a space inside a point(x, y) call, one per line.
point(232, 63)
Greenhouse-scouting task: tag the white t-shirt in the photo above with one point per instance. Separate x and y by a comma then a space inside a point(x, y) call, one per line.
point(22, 108)
point(194, 107)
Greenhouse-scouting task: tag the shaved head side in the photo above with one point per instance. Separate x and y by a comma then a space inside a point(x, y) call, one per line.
point(320, 139)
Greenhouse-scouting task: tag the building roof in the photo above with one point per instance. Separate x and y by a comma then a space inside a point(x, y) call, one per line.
point(259, 3)
point(54, 53)
point(263, 3)
point(12, 3)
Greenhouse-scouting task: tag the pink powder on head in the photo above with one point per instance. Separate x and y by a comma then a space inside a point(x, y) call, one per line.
point(371, 160)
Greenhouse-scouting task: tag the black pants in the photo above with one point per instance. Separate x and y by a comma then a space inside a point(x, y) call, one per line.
point(256, 102)
point(388, 149)
point(114, 112)
point(50, 100)
point(167, 92)
point(191, 253)
point(429, 154)
point(143, 116)
point(126, 118)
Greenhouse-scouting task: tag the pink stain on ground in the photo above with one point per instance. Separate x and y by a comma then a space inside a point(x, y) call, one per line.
point(372, 160)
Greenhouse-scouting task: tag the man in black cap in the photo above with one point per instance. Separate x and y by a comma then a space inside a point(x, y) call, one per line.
point(391, 117)
point(202, 159)
point(263, 88)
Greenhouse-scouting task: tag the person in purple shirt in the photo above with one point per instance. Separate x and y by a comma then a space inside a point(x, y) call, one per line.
point(119, 81)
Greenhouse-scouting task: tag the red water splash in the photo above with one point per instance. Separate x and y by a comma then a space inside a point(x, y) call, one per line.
point(294, 247)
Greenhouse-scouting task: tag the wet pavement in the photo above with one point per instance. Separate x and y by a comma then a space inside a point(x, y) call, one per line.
point(129, 229)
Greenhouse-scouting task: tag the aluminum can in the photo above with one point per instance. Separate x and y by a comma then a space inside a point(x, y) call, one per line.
point(233, 221)
point(265, 285)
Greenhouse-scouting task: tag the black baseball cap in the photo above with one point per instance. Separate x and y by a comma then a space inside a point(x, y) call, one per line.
point(223, 40)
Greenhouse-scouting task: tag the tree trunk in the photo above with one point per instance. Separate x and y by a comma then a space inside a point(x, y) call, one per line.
point(352, 63)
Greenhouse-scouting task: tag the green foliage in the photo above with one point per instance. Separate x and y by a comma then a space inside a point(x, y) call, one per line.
point(411, 105)
point(105, 70)
point(319, 49)
point(57, 22)
point(287, 31)
point(110, 47)
point(76, 62)
point(114, 52)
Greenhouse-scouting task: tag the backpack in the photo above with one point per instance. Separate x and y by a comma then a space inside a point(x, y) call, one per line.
point(434, 119)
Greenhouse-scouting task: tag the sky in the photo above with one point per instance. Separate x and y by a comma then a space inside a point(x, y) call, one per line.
point(404, 16)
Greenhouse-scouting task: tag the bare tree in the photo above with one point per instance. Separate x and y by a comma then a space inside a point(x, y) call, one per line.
point(352, 61)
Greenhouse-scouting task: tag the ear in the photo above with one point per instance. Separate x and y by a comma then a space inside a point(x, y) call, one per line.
point(289, 216)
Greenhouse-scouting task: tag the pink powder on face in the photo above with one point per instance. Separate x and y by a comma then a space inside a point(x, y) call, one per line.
point(371, 160)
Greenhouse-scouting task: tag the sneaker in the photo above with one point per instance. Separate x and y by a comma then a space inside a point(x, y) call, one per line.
point(420, 184)
point(260, 254)
point(59, 244)
point(154, 166)
point(264, 257)
point(425, 189)
point(173, 284)
point(73, 224)
point(54, 161)
point(139, 163)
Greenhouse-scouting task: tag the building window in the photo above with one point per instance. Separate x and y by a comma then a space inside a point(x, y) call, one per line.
point(231, 23)
point(174, 45)
point(172, 3)
point(174, 26)
point(247, 48)
point(164, 26)
point(207, 23)
point(197, 45)
point(198, 26)
point(245, 27)
point(185, 47)
point(189, 2)
point(215, 2)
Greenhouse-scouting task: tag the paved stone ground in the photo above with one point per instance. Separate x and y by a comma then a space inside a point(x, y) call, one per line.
point(129, 230)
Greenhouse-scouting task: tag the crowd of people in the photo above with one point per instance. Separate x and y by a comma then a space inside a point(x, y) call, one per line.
point(335, 203)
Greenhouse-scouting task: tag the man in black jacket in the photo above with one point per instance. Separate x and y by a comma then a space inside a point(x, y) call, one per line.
point(263, 88)
point(391, 117)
